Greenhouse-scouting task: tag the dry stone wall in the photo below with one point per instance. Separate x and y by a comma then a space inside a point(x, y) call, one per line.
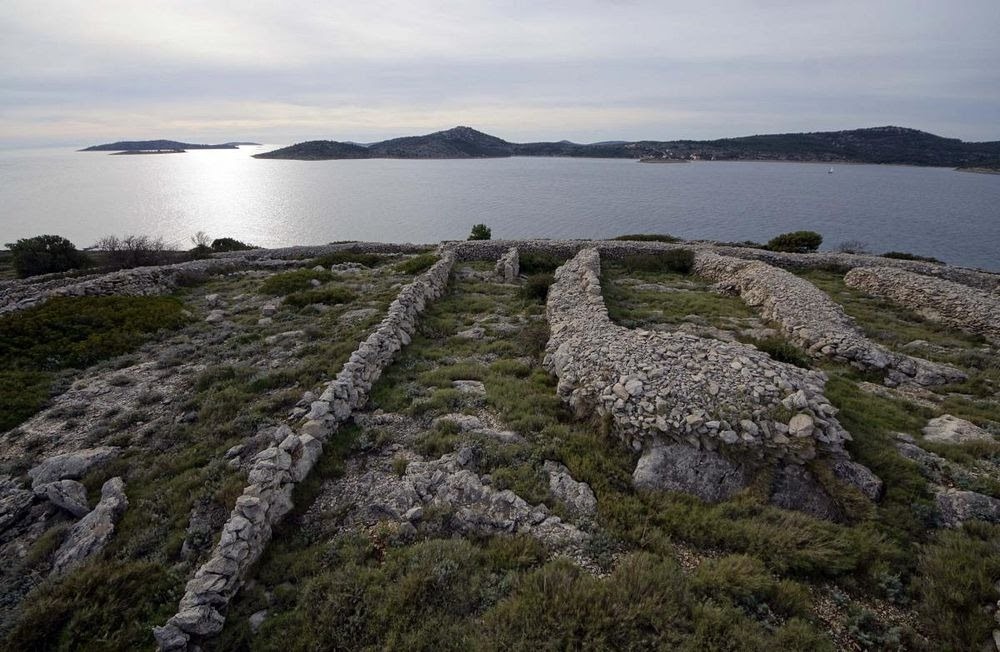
point(937, 299)
point(508, 266)
point(812, 320)
point(705, 413)
point(276, 470)
point(139, 281)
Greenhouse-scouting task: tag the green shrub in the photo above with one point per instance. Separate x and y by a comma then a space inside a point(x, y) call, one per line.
point(648, 237)
point(230, 244)
point(783, 351)
point(288, 282)
point(480, 232)
point(45, 254)
point(341, 257)
point(673, 260)
point(796, 242)
point(536, 262)
point(903, 255)
point(418, 264)
point(536, 287)
point(328, 296)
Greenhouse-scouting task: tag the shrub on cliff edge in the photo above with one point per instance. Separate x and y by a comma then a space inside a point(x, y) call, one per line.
point(45, 254)
point(799, 242)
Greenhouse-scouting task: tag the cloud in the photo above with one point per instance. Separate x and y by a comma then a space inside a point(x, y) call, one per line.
point(75, 71)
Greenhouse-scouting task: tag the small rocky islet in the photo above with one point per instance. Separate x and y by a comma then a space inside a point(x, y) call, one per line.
point(515, 444)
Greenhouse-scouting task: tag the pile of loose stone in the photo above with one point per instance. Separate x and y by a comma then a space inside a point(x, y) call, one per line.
point(139, 281)
point(508, 266)
point(729, 408)
point(277, 469)
point(937, 299)
point(812, 320)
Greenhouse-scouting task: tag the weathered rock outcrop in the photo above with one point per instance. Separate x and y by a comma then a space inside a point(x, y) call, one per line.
point(948, 429)
point(954, 304)
point(277, 469)
point(956, 506)
point(15, 501)
point(729, 407)
point(67, 494)
point(577, 496)
point(90, 534)
point(508, 266)
point(812, 320)
point(71, 466)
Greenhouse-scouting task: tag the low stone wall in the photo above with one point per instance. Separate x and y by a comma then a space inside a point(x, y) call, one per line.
point(139, 281)
point(813, 321)
point(944, 301)
point(508, 266)
point(692, 390)
point(616, 249)
point(705, 413)
point(276, 470)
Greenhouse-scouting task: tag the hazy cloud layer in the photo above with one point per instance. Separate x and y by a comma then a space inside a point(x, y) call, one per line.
point(75, 72)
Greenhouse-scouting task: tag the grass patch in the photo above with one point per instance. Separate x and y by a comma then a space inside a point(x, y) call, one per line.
point(783, 351)
point(537, 262)
point(678, 261)
point(296, 281)
point(342, 257)
point(418, 264)
point(327, 296)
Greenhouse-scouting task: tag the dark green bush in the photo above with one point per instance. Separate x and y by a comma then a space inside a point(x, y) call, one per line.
point(328, 296)
point(45, 254)
point(673, 260)
point(783, 351)
point(288, 282)
point(903, 255)
point(536, 287)
point(230, 244)
point(535, 262)
point(341, 257)
point(418, 264)
point(796, 242)
point(480, 232)
point(648, 237)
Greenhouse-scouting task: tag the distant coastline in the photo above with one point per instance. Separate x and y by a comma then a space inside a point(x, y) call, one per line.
point(155, 146)
point(876, 145)
point(980, 170)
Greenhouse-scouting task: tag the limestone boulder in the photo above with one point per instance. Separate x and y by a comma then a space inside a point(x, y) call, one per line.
point(71, 466)
point(66, 494)
point(947, 429)
point(678, 467)
point(91, 533)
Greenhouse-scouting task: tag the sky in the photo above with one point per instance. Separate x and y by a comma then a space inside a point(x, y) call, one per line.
point(90, 71)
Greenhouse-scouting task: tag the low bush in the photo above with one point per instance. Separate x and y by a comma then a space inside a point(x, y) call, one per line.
point(648, 237)
point(327, 296)
point(45, 254)
point(288, 282)
point(536, 287)
point(535, 262)
point(418, 264)
point(903, 255)
point(230, 244)
point(674, 260)
point(132, 251)
point(341, 257)
point(796, 242)
point(783, 351)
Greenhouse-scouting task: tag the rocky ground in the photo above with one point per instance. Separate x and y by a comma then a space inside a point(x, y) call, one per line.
point(467, 506)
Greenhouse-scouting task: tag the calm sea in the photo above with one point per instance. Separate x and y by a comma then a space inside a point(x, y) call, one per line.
point(83, 196)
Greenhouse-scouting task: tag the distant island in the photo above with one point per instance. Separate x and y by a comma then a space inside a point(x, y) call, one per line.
point(158, 146)
point(892, 145)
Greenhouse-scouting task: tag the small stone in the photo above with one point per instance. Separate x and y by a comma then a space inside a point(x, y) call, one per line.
point(801, 425)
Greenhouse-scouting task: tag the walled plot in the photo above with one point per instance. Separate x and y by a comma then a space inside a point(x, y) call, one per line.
point(815, 322)
point(705, 413)
point(951, 303)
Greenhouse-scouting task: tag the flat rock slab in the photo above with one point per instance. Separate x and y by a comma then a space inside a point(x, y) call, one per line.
point(948, 429)
point(72, 466)
point(67, 494)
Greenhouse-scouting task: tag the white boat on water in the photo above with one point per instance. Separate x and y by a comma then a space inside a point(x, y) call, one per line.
point(830, 171)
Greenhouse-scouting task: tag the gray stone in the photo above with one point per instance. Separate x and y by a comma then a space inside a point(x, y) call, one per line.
point(678, 467)
point(71, 466)
point(15, 501)
point(256, 619)
point(955, 507)
point(795, 488)
point(948, 429)
point(860, 477)
point(577, 496)
point(90, 534)
point(67, 494)
point(469, 386)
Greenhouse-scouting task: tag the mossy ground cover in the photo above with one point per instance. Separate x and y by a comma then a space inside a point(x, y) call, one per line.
point(760, 569)
point(237, 383)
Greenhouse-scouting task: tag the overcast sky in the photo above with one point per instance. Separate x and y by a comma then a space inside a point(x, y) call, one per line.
point(82, 72)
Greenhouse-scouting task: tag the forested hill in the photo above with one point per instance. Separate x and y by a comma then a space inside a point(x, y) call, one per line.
point(873, 145)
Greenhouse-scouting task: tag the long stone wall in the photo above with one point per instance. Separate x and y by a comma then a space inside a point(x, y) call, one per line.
point(139, 281)
point(706, 414)
point(813, 321)
point(276, 470)
point(944, 301)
